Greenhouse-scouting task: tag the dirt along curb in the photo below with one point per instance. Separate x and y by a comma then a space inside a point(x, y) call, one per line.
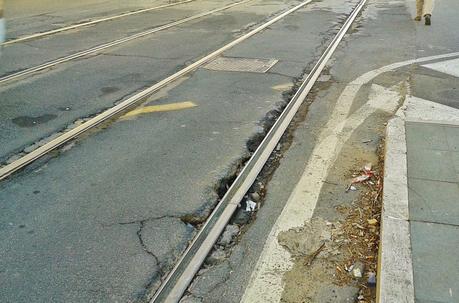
point(395, 268)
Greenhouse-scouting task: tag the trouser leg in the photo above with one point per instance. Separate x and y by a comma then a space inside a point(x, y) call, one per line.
point(428, 7)
point(419, 7)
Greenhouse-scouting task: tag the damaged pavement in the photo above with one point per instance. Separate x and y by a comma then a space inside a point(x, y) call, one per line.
point(79, 227)
point(332, 257)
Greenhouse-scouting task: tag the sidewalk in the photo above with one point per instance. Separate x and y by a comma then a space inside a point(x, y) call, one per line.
point(420, 231)
point(341, 133)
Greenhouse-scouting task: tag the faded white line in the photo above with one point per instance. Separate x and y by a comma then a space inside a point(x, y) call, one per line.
point(266, 281)
point(422, 110)
point(450, 67)
point(275, 260)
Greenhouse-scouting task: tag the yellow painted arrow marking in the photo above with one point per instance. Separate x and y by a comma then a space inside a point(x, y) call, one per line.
point(159, 108)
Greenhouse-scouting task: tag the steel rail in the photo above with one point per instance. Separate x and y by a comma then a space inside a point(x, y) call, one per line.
point(36, 154)
point(176, 283)
point(99, 48)
point(88, 23)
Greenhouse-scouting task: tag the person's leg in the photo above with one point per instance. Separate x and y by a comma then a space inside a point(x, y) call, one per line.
point(427, 11)
point(428, 7)
point(419, 8)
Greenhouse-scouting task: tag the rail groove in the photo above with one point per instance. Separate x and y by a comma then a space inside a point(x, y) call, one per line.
point(176, 283)
point(93, 50)
point(88, 23)
point(36, 154)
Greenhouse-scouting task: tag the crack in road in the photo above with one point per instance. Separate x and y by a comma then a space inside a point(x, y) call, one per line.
point(143, 221)
point(149, 252)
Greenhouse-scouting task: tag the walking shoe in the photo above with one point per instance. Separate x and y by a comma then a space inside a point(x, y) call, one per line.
point(427, 18)
point(417, 18)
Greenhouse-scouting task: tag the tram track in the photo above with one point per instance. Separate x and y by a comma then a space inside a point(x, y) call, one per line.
point(130, 102)
point(22, 74)
point(178, 280)
point(84, 23)
point(180, 277)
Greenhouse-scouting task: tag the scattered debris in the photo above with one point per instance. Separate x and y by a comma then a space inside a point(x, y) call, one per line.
point(315, 254)
point(367, 141)
point(367, 168)
point(360, 178)
point(372, 221)
point(357, 270)
point(361, 235)
point(366, 174)
point(371, 279)
point(255, 197)
point(250, 206)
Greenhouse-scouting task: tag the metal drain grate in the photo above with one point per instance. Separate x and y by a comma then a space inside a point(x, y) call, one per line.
point(241, 64)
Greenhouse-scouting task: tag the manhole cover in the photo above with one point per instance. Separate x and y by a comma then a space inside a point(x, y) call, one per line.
point(241, 64)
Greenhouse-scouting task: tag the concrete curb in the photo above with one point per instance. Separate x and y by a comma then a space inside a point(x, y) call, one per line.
point(395, 268)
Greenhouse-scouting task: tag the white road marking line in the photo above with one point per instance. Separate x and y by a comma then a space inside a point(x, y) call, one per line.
point(266, 285)
point(422, 110)
point(266, 281)
point(450, 67)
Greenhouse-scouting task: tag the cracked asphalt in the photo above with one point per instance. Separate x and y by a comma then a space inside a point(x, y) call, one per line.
point(105, 218)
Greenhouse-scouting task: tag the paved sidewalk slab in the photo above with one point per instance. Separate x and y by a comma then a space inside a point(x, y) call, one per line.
point(433, 172)
point(435, 262)
point(433, 195)
point(422, 166)
point(433, 201)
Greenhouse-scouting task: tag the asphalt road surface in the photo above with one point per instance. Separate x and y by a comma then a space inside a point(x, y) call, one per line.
point(102, 220)
point(105, 218)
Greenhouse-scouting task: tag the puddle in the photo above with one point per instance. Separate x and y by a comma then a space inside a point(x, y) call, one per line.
point(26, 121)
